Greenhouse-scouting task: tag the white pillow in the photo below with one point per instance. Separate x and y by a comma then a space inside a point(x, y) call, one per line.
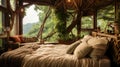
point(86, 38)
point(97, 40)
point(72, 47)
point(97, 53)
point(82, 50)
point(99, 47)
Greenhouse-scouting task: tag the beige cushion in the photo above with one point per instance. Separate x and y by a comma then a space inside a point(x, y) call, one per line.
point(98, 52)
point(72, 47)
point(97, 40)
point(82, 50)
point(86, 38)
point(99, 47)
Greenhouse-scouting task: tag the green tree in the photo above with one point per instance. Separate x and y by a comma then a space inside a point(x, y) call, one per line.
point(104, 15)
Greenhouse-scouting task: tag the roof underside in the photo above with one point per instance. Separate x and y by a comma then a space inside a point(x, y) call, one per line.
point(73, 4)
point(81, 5)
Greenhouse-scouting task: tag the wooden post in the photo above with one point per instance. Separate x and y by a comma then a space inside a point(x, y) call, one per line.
point(117, 10)
point(5, 23)
point(20, 18)
point(117, 16)
point(79, 16)
point(95, 19)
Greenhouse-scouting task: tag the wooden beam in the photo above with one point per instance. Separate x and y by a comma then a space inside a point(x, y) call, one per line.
point(20, 18)
point(95, 19)
point(85, 4)
point(3, 9)
point(22, 7)
point(79, 23)
point(117, 10)
point(39, 2)
point(105, 35)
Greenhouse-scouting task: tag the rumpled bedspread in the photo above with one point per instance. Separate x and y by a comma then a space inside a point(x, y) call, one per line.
point(46, 56)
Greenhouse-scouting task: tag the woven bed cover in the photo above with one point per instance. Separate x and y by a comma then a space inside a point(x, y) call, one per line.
point(34, 55)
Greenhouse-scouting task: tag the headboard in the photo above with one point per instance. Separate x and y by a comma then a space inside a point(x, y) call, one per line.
point(116, 38)
point(113, 51)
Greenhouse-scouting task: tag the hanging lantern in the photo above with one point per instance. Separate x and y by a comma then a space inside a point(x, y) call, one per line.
point(68, 1)
point(22, 10)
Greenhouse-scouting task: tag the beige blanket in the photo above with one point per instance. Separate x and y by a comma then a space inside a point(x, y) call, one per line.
point(47, 56)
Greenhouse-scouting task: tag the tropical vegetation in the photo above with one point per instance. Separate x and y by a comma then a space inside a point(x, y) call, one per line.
point(57, 20)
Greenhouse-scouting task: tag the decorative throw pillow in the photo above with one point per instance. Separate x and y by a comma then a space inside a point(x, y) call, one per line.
point(72, 47)
point(21, 38)
point(99, 47)
point(15, 39)
point(82, 50)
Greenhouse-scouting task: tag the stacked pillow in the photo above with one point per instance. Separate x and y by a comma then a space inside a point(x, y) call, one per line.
point(82, 50)
point(95, 47)
point(99, 45)
point(72, 47)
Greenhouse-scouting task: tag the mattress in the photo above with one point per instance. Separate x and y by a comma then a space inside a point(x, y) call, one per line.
point(34, 55)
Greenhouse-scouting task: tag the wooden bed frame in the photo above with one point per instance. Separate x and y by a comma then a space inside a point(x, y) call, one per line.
point(113, 51)
point(115, 37)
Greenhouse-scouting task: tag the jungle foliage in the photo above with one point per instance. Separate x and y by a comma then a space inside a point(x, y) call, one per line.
point(57, 20)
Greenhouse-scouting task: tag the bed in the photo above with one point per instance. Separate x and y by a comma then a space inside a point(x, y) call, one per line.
point(78, 54)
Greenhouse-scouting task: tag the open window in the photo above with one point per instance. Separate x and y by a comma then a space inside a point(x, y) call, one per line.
point(87, 24)
point(29, 20)
point(105, 16)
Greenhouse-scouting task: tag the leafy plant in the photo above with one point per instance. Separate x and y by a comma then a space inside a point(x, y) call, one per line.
point(62, 16)
point(58, 21)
